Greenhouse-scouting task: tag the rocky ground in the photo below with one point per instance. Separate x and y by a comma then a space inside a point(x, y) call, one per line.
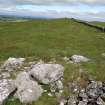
point(92, 94)
point(24, 80)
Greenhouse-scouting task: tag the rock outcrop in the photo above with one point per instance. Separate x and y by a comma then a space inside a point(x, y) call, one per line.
point(27, 89)
point(93, 94)
point(47, 73)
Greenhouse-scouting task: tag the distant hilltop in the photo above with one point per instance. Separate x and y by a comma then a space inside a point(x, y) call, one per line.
point(8, 18)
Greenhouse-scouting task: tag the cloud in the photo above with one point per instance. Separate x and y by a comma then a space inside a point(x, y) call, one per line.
point(51, 2)
point(82, 9)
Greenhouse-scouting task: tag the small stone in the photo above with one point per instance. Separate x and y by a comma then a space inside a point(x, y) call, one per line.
point(82, 103)
point(93, 93)
point(50, 94)
point(45, 91)
point(63, 102)
point(66, 59)
point(74, 88)
point(61, 91)
point(92, 85)
point(94, 89)
point(72, 100)
point(59, 84)
point(83, 95)
point(99, 84)
point(79, 58)
point(100, 101)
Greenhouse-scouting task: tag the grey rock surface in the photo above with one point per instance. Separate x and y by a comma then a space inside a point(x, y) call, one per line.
point(56, 87)
point(12, 63)
point(79, 58)
point(28, 90)
point(72, 100)
point(93, 94)
point(82, 103)
point(6, 88)
point(59, 85)
point(63, 102)
point(47, 73)
point(5, 75)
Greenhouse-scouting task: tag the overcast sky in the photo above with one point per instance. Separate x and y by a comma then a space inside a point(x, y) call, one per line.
point(82, 9)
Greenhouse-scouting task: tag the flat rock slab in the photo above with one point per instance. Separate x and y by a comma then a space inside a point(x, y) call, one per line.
point(6, 88)
point(47, 73)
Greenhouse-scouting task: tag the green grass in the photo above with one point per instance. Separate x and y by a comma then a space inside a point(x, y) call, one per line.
point(47, 39)
point(99, 23)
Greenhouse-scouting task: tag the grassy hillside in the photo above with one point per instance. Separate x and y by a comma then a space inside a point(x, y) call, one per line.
point(99, 23)
point(48, 39)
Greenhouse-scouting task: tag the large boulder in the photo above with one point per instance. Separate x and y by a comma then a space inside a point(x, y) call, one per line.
point(12, 63)
point(28, 90)
point(6, 88)
point(47, 73)
point(79, 58)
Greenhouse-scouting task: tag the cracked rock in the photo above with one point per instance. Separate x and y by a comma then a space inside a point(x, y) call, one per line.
point(46, 73)
point(28, 90)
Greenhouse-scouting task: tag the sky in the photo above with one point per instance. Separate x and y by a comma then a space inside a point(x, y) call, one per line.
point(91, 10)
